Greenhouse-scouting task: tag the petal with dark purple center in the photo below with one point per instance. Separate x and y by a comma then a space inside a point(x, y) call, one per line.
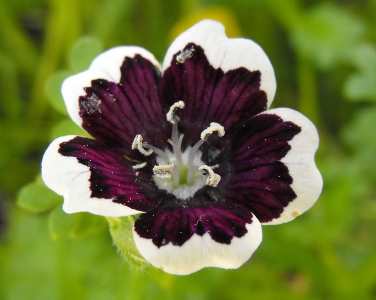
point(115, 103)
point(224, 53)
point(210, 94)
point(273, 169)
point(184, 240)
point(92, 177)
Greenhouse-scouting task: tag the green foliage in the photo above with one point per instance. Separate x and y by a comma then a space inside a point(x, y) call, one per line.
point(37, 198)
point(122, 236)
point(328, 35)
point(362, 84)
point(79, 58)
point(53, 90)
point(83, 52)
point(66, 127)
point(360, 137)
point(325, 60)
point(76, 226)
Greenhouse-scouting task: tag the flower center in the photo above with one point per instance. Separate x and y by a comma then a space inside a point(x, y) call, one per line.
point(179, 172)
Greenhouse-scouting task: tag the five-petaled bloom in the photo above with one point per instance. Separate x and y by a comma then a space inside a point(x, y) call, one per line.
point(190, 148)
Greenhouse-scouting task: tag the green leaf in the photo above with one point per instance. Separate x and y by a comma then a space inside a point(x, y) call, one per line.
point(89, 225)
point(327, 34)
point(360, 137)
point(74, 226)
point(362, 85)
point(67, 127)
point(359, 134)
point(122, 236)
point(37, 198)
point(53, 90)
point(62, 225)
point(83, 52)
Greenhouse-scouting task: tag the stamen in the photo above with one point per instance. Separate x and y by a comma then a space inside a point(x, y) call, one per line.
point(170, 116)
point(163, 171)
point(212, 178)
point(184, 55)
point(92, 104)
point(139, 166)
point(214, 127)
point(138, 143)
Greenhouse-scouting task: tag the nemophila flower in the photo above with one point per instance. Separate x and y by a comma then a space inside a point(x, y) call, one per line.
point(190, 148)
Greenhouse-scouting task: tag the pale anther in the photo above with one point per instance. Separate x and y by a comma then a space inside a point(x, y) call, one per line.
point(139, 166)
point(184, 55)
point(138, 143)
point(214, 127)
point(170, 116)
point(92, 104)
point(163, 171)
point(212, 178)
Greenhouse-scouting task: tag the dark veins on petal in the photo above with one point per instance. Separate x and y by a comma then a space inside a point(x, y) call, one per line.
point(114, 113)
point(210, 95)
point(110, 174)
point(260, 181)
point(221, 222)
point(248, 157)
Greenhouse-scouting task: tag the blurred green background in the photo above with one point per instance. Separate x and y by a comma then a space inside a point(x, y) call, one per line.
point(324, 55)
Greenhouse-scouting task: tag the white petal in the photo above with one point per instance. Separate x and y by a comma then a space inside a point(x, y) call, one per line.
point(70, 179)
point(226, 53)
point(307, 180)
point(201, 252)
point(105, 66)
point(109, 62)
point(73, 87)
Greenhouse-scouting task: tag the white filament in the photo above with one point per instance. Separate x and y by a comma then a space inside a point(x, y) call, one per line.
point(139, 166)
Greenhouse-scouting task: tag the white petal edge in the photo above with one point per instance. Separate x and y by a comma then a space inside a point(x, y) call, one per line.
point(70, 179)
point(201, 251)
point(105, 66)
point(226, 53)
point(300, 161)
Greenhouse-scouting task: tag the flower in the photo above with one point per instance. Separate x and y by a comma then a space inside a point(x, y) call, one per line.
point(190, 148)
